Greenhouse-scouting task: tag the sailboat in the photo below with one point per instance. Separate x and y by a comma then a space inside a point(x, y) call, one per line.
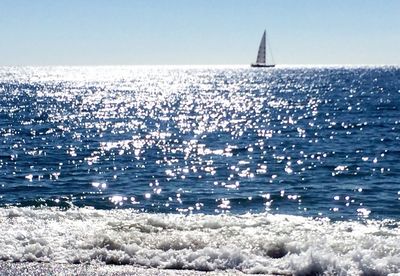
point(261, 60)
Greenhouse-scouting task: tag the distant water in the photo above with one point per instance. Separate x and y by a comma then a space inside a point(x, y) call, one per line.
point(303, 160)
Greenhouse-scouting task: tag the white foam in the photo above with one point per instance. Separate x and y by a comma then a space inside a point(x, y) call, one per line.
point(262, 243)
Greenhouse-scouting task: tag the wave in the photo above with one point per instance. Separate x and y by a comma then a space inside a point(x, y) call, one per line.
point(251, 243)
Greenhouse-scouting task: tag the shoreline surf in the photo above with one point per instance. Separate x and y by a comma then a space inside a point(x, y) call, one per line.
point(252, 243)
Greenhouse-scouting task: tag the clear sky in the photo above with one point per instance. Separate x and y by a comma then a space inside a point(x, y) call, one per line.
point(108, 32)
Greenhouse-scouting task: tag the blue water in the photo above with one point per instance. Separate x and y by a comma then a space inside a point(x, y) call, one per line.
point(318, 142)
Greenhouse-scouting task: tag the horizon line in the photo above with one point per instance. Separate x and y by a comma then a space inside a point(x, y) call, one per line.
point(207, 65)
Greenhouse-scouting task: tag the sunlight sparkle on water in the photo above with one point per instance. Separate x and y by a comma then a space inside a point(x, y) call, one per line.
point(137, 137)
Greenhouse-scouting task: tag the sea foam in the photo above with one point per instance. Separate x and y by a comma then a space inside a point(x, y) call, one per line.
point(252, 243)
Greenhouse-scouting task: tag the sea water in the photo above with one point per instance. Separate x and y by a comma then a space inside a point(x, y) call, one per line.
point(291, 170)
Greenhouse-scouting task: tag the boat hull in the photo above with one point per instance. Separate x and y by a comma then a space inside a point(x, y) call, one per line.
point(262, 65)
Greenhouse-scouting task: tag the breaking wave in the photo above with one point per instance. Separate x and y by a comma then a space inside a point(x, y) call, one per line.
point(251, 243)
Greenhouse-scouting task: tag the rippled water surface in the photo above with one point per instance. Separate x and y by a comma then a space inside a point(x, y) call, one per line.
point(304, 141)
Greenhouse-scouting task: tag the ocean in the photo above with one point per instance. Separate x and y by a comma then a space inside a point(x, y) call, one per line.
point(291, 170)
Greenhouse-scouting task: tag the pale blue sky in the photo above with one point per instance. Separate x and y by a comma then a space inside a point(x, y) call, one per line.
point(108, 32)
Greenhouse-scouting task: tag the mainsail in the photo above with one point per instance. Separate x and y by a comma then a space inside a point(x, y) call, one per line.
point(261, 50)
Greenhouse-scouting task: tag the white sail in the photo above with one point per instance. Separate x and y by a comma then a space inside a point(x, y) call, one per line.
point(261, 50)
